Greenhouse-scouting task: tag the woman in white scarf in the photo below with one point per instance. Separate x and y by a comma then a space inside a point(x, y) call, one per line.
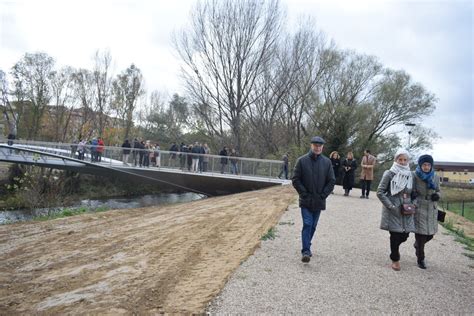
point(393, 191)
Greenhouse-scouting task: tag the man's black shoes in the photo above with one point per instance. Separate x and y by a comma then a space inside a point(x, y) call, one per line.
point(306, 258)
point(421, 264)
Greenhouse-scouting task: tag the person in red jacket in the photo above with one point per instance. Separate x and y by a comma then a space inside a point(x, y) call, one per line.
point(100, 149)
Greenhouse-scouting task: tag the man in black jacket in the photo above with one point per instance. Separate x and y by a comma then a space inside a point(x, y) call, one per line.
point(173, 150)
point(224, 159)
point(126, 151)
point(313, 178)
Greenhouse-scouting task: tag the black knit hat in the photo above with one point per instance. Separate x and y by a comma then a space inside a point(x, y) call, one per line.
point(425, 158)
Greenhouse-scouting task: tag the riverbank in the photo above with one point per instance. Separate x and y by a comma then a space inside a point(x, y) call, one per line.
point(35, 188)
point(157, 259)
point(98, 205)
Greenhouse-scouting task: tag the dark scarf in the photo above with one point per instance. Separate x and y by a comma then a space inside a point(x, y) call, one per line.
point(426, 176)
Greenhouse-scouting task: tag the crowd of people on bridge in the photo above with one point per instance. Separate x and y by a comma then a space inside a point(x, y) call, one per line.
point(193, 157)
point(95, 147)
point(409, 198)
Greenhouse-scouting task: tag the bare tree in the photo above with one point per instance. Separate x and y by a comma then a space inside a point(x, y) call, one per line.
point(311, 60)
point(271, 89)
point(32, 80)
point(84, 94)
point(127, 88)
point(62, 110)
point(8, 111)
point(151, 112)
point(225, 50)
point(102, 81)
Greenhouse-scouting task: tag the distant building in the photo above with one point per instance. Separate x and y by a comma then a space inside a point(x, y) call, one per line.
point(459, 172)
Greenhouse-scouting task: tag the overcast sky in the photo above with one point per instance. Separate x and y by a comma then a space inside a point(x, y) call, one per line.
point(431, 40)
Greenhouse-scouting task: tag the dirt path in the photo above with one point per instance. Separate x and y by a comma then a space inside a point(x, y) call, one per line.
point(149, 260)
point(349, 273)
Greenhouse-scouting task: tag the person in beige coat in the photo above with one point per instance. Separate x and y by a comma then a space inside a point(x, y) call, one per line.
point(393, 191)
point(367, 173)
point(426, 190)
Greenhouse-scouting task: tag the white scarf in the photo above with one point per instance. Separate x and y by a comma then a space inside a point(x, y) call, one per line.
point(402, 179)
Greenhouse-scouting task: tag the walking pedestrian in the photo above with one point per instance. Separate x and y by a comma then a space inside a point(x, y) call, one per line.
point(427, 193)
point(173, 150)
point(336, 164)
point(284, 166)
point(100, 149)
point(349, 166)
point(395, 190)
point(74, 148)
point(94, 145)
point(313, 178)
point(157, 155)
point(202, 152)
point(136, 152)
point(141, 154)
point(182, 156)
point(146, 154)
point(224, 160)
point(234, 168)
point(205, 158)
point(196, 150)
point(81, 149)
point(126, 152)
point(190, 157)
point(367, 173)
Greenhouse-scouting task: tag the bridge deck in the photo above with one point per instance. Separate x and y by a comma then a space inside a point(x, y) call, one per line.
point(166, 177)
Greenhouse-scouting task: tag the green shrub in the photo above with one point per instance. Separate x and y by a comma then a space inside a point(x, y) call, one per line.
point(271, 234)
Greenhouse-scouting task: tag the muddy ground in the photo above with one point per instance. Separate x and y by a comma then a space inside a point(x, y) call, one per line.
point(149, 260)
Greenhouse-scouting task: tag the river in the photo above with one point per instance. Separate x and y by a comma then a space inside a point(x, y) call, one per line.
point(13, 216)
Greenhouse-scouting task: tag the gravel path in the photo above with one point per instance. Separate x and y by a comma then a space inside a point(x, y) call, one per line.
point(350, 269)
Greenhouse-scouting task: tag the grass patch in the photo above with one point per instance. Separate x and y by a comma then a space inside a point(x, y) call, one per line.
point(452, 201)
point(456, 207)
point(270, 235)
point(457, 194)
point(468, 242)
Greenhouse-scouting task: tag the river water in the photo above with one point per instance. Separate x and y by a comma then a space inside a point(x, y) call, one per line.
point(113, 203)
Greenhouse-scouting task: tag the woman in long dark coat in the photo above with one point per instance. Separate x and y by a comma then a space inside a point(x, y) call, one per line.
point(427, 194)
point(336, 164)
point(348, 168)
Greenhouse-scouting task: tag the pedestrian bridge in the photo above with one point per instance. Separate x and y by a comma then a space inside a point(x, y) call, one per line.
point(170, 175)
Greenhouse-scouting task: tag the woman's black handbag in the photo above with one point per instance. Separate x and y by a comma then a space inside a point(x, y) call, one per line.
point(441, 215)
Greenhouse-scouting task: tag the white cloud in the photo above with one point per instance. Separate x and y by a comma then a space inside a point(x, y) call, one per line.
point(453, 150)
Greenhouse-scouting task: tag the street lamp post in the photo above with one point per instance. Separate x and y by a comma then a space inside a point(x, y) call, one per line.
point(410, 126)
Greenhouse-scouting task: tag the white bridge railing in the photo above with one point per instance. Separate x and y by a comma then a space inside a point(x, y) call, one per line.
point(163, 159)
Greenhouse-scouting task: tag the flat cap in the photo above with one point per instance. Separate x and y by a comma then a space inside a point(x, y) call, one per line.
point(317, 140)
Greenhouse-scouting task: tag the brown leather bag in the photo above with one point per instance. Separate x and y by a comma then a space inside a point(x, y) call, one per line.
point(408, 208)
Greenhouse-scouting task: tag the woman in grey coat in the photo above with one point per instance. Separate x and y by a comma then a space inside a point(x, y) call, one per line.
point(426, 217)
point(394, 190)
